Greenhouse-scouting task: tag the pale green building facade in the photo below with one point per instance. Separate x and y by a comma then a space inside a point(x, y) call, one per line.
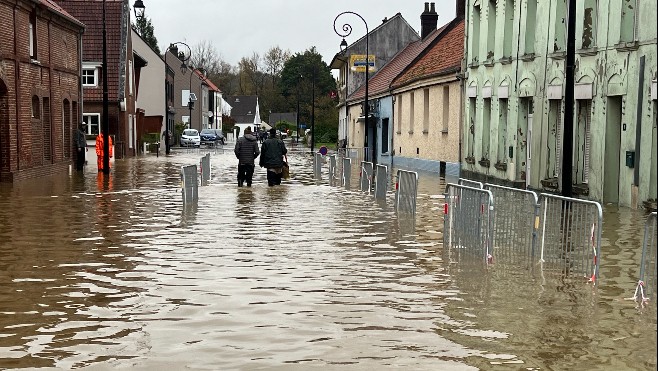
point(514, 87)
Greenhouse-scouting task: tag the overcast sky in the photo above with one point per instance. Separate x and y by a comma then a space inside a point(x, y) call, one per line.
point(238, 28)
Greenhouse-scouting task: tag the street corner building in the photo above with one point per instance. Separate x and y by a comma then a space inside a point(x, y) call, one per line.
point(514, 68)
point(40, 88)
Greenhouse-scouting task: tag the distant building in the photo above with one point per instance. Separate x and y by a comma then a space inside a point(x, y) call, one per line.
point(40, 88)
point(245, 111)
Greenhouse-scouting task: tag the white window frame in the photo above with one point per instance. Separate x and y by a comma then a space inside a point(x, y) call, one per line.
point(87, 66)
point(130, 78)
point(89, 126)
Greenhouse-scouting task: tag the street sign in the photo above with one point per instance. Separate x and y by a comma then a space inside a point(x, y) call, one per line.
point(358, 62)
point(302, 126)
point(323, 150)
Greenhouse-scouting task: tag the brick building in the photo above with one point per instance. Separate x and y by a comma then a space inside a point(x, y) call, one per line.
point(40, 89)
point(122, 90)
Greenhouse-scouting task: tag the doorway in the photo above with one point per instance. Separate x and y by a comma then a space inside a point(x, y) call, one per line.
point(612, 151)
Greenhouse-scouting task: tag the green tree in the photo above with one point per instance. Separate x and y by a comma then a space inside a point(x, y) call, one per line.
point(144, 28)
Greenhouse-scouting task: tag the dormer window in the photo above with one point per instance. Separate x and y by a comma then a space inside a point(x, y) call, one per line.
point(90, 74)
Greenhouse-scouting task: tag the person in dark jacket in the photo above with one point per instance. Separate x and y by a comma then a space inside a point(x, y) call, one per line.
point(246, 150)
point(81, 147)
point(272, 152)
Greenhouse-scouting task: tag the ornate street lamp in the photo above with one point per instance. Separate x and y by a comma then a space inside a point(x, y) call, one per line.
point(139, 7)
point(346, 31)
point(183, 69)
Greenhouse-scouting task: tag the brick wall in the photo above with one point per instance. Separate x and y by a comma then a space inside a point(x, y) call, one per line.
point(35, 138)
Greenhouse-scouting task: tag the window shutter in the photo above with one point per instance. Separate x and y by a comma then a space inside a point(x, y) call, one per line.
point(588, 120)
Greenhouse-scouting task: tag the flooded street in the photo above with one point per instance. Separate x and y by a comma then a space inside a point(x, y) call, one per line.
point(116, 273)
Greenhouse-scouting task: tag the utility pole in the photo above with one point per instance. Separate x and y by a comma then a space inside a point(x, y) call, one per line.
point(106, 113)
point(569, 102)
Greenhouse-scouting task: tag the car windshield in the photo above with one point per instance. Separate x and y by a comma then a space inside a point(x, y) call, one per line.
point(190, 132)
point(207, 132)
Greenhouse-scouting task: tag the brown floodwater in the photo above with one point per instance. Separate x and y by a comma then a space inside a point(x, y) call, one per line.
point(115, 272)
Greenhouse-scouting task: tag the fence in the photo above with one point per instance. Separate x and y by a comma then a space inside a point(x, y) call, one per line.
point(570, 235)
point(646, 285)
point(381, 182)
point(189, 183)
point(318, 159)
point(406, 191)
point(332, 170)
point(205, 169)
point(514, 223)
point(366, 176)
point(468, 225)
point(347, 173)
point(470, 183)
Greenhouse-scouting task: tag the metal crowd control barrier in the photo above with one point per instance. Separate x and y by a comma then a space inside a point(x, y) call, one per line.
point(381, 181)
point(470, 183)
point(332, 170)
point(189, 183)
point(570, 235)
point(347, 173)
point(406, 191)
point(366, 176)
point(317, 166)
point(646, 285)
point(205, 169)
point(468, 221)
point(514, 224)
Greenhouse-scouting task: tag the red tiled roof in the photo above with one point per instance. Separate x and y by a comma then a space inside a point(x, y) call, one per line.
point(211, 86)
point(58, 9)
point(443, 57)
point(381, 81)
point(90, 12)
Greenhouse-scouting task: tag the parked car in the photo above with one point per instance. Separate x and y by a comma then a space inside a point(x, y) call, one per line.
point(212, 136)
point(190, 138)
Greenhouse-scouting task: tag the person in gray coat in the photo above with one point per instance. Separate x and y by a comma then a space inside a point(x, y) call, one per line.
point(246, 150)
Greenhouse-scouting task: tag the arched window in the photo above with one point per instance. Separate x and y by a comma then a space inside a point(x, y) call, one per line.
point(36, 107)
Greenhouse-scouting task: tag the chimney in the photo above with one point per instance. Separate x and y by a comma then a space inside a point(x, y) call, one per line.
point(428, 20)
point(461, 9)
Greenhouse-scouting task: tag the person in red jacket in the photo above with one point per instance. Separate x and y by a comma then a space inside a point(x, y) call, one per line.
point(100, 150)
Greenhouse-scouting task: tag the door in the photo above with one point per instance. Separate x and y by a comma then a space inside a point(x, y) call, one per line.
point(612, 151)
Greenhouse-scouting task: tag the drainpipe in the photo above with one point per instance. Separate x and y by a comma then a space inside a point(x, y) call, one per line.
point(638, 124)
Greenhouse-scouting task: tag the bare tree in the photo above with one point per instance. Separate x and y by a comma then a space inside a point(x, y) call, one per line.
point(252, 78)
point(274, 60)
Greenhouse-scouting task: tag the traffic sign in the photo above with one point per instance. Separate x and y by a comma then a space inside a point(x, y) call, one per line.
point(323, 151)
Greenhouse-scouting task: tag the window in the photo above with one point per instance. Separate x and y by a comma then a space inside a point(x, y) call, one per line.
point(509, 28)
point(589, 24)
point(582, 141)
point(486, 128)
point(471, 126)
point(446, 108)
point(399, 111)
point(185, 97)
point(66, 128)
point(530, 26)
point(385, 135)
point(131, 131)
point(33, 34)
point(560, 28)
point(555, 137)
point(475, 39)
point(89, 77)
point(47, 148)
point(93, 122)
point(628, 30)
point(411, 112)
point(491, 29)
point(36, 107)
point(502, 130)
point(426, 110)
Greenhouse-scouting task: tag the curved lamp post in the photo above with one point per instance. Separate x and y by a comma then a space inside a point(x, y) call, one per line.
point(346, 31)
point(183, 69)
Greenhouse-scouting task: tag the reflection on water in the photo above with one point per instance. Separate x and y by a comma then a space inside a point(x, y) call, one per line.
point(114, 272)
